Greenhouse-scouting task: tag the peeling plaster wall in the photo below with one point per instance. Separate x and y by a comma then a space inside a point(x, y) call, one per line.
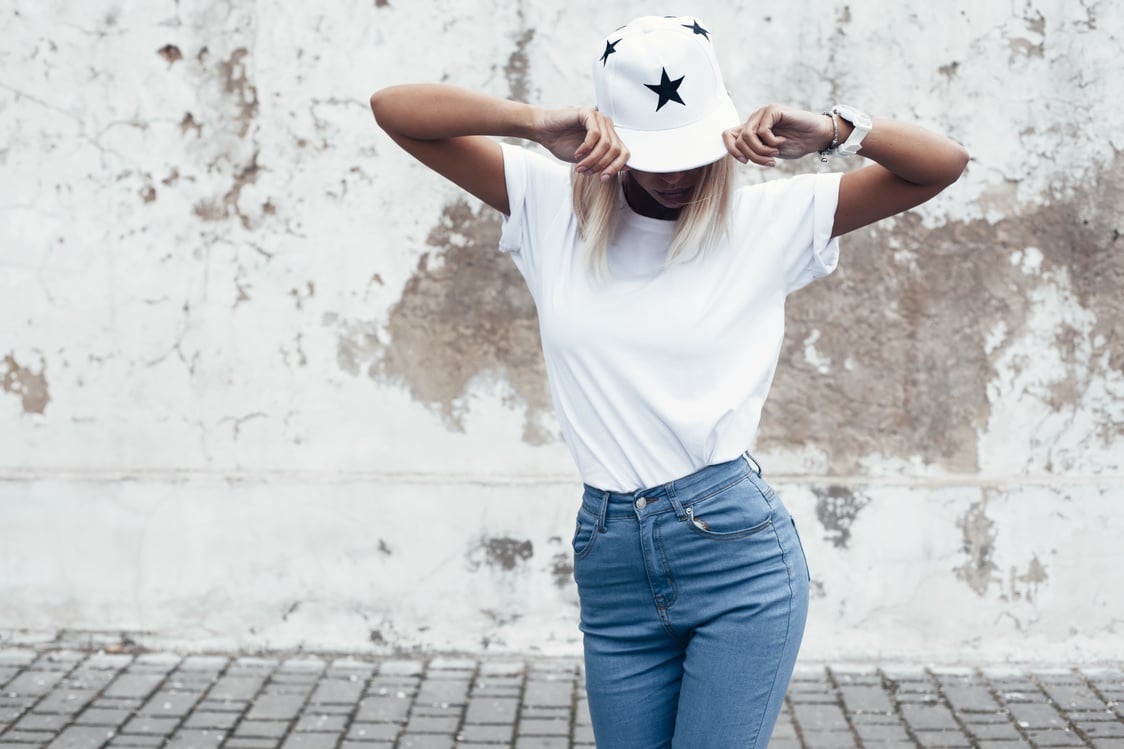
point(264, 382)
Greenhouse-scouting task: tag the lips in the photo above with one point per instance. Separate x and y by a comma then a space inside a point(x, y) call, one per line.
point(675, 196)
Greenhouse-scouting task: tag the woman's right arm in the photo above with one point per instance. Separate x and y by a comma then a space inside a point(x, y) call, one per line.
point(447, 128)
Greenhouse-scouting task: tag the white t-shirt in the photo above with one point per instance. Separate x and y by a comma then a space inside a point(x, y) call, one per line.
point(658, 372)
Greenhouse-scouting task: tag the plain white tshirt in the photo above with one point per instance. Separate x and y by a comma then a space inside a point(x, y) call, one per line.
point(658, 372)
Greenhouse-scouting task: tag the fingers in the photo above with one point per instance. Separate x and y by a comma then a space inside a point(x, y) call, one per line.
point(602, 152)
point(755, 141)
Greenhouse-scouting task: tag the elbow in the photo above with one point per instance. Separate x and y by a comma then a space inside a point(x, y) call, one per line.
point(378, 106)
point(958, 162)
point(388, 105)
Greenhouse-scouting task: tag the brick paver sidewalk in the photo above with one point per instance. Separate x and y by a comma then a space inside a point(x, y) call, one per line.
point(76, 700)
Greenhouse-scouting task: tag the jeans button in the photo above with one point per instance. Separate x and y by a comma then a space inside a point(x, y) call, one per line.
point(641, 503)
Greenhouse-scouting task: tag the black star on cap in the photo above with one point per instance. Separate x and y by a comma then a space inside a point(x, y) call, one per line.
point(667, 89)
point(610, 48)
point(697, 29)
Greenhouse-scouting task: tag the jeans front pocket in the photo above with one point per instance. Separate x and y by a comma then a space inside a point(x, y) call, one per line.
point(736, 511)
point(585, 533)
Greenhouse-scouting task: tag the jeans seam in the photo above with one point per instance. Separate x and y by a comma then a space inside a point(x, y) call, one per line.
point(787, 632)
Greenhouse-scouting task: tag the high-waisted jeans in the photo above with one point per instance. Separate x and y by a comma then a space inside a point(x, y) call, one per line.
point(693, 599)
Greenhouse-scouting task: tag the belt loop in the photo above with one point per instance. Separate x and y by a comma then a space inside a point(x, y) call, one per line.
point(753, 464)
point(601, 513)
point(671, 497)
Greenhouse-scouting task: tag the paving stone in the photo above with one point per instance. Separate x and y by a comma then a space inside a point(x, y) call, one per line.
point(928, 717)
point(375, 709)
point(30, 737)
point(548, 693)
point(425, 724)
point(401, 668)
point(203, 719)
point(829, 740)
point(252, 743)
point(502, 668)
point(311, 741)
point(541, 742)
point(321, 722)
point(80, 737)
point(583, 735)
point(491, 710)
point(135, 685)
point(941, 739)
point(33, 683)
point(93, 716)
point(151, 725)
point(224, 706)
point(1035, 714)
point(262, 729)
point(41, 722)
point(970, 698)
point(443, 691)
point(882, 733)
point(276, 707)
point(1054, 737)
point(330, 709)
point(488, 734)
point(422, 741)
point(817, 717)
point(170, 703)
point(337, 691)
point(1102, 730)
point(1004, 731)
point(373, 731)
point(544, 727)
point(239, 742)
point(1073, 696)
point(65, 702)
point(117, 703)
point(194, 738)
point(868, 699)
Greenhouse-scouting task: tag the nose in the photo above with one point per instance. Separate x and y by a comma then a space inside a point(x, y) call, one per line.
point(671, 179)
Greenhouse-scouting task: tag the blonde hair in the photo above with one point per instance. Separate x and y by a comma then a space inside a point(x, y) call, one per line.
point(701, 223)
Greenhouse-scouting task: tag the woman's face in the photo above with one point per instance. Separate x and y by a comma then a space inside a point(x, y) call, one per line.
point(671, 190)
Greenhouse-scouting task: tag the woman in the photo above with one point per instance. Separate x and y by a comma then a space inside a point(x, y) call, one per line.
point(660, 293)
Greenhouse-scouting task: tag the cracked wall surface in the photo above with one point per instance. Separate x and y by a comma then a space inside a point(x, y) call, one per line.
point(221, 280)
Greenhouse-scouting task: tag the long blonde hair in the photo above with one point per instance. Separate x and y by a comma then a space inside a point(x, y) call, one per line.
point(701, 223)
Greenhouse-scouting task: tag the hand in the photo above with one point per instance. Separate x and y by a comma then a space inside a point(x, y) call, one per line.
point(778, 132)
point(584, 137)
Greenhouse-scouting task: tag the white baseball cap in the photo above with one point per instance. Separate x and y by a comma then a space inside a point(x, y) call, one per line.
point(657, 79)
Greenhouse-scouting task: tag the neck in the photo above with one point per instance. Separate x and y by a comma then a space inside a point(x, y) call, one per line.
point(642, 202)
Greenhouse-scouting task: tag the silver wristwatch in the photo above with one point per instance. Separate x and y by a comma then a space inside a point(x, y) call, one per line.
point(861, 123)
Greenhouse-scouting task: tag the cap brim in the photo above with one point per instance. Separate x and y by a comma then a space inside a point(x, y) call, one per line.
point(681, 148)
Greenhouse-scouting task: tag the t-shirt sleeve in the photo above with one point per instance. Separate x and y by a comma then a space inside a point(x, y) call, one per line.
point(537, 188)
point(808, 203)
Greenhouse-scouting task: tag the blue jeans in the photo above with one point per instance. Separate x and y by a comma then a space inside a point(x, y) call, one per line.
point(693, 601)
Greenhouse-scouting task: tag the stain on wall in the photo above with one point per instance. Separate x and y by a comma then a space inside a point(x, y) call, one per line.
point(468, 315)
point(500, 552)
point(30, 386)
point(979, 531)
point(837, 507)
point(912, 363)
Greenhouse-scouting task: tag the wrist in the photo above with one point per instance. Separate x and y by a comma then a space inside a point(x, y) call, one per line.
point(527, 121)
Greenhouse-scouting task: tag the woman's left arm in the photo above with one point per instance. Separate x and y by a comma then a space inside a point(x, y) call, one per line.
point(911, 164)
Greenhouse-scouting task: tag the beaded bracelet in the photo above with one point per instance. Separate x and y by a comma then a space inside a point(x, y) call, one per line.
point(825, 152)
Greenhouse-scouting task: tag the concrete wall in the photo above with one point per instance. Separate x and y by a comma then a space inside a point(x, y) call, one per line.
point(264, 382)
